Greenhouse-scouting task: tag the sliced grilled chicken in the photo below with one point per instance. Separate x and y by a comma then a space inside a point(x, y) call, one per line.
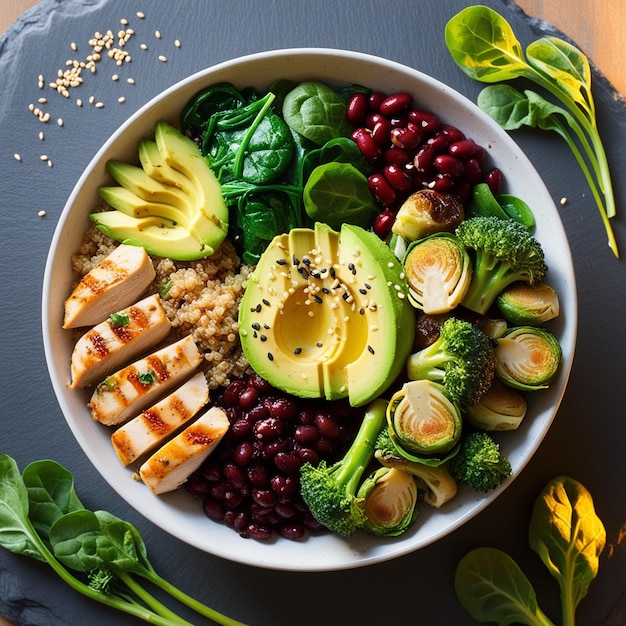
point(120, 339)
point(130, 390)
point(146, 431)
point(115, 283)
point(170, 466)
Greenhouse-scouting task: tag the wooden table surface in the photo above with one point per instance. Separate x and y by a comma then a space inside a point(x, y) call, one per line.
point(599, 29)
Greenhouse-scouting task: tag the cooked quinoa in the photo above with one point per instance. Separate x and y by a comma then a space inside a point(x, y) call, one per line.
point(200, 298)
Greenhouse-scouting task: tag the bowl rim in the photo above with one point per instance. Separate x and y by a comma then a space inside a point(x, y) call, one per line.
point(359, 554)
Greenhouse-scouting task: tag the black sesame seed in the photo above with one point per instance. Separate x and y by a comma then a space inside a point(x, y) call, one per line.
point(258, 308)
point(370, 349)
point(270, 356)
point(303, 272)
point(256, 326)
point(263, 338)
point(363, 291)
point(295, 260)
point(306, 261)
point(332, 272)
point(319, 344)
point(297, 351)
point(351, 266)
point(361, 311)
point(266, 302)
point(281, 261)
point(325, 290)
point(317, 299)
point(368, 286)
point(346, 295)
point(266, 326)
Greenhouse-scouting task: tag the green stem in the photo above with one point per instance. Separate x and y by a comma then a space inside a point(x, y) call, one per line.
point(588, 122)
point(592, 185)
point(192, 603)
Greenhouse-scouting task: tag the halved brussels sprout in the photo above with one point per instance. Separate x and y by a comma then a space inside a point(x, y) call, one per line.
point(389, 501)
point(524, 304)
point(426, 212)
point(422, 419)
point(501, 408)
point(438, 272)
point(527, 357)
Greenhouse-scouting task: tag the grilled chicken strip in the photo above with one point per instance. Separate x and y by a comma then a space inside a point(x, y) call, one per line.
point(118, 340)
point(146, 431)
point(170, 466)
point(130, 390)
point(115, 283)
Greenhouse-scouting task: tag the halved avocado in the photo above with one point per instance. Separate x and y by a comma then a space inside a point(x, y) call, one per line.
point(177, 188)
point(325, 315)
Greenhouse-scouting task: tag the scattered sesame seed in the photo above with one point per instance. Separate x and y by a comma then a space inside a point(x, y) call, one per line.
point(17, 157)
point(79, 102)
point(49, 163)
point(124, 22)
point(99, 105)
point(177, 43)
point(121, 99)
point(42, 100)
point(41, 213)
point(115, 77)
point(130, 81)
point(43, 157)
point(140, 15)
point(563, 201)
point(73, 46)
point(41, 135)
point(60, 121)
point(157, 34)
point(162, 58)
point(92, 99)
point(143, 46)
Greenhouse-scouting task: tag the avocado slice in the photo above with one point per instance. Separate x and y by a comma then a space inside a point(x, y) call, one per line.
point(325, 314)
point(157, 235)
point(175, 186)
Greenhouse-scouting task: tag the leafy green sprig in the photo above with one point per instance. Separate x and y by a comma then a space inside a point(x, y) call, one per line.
point(568, 536)
point(42, 517)
point(485, 47)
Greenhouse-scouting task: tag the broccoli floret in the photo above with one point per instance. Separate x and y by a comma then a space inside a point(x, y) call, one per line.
point(330, 491)
point(480, 463)
point(503, 252)
point(462, 358)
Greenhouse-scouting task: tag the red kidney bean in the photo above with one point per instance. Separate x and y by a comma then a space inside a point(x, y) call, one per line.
point(258, 475)
point(463, 149)
point(213, 509)
point(493, 178)
point(286, 510)
point(328, 427)
point(379, 186)
point(257, 531)
point(356, 108)
point(363, 139)
point(452, 133)
point(235, 474)
point(375, 99)
point(384, 222)
point(232, 393)
point(287, 462)
point(272, 448)
point(439, 141)
point(442, 183)
point(307, 455)
point(248, 398)
point(240, 428)
point(472, 171)
point(243, 453)
point(381, 131)
point(404, 137)
point(479, 155)
point(397, 177)
point(448, 165)
point(291, 531)
point(429, 122)
point(283, 408)
point(306, 433)
point(268, 429)
point(397, 156)
point(395, 104)
point(264, 497)
point(424, 158)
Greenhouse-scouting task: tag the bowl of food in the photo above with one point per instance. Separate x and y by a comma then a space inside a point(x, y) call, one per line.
point(240, 297)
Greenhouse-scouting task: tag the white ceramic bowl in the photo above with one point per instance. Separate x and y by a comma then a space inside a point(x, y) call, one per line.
point(178, 513)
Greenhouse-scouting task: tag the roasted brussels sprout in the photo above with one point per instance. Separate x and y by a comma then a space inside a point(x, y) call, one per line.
point(522, 304)
point(389, 501)
point(422, 419)
point(438, 271)
point(501, 408)
point(426, 212)
point(435, 484)
point(527, 357)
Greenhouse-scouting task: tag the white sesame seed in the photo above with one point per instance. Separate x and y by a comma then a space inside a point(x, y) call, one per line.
point(79, 102)
point(41, 213)
point(177, 43)
point(43, 157)
point(162, 58)
point(45, 118)
point(49, 163)
point(115, 77)
point(563, 201)
point(42, 100)
point(99, 105)
point(73, 46)
point(17, 157)
point(92, 99)
point(41, 135)
point(124, 22)
point(143, 46)
point(140, 15)
point(121, 99)
point(157, 34)
point(130, 81)
point(60, 121)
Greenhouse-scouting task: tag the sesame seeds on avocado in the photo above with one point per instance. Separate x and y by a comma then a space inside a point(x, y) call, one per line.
point(324, 314)
point(172, 205)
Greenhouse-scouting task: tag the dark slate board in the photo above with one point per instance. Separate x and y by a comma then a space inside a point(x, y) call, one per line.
point(586, 440)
